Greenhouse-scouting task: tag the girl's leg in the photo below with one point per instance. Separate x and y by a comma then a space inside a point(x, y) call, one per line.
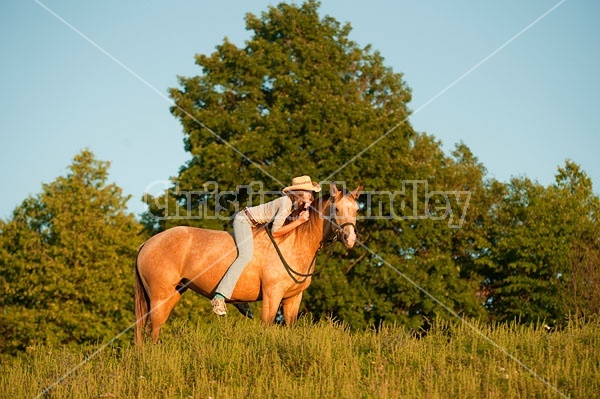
point(242, 232)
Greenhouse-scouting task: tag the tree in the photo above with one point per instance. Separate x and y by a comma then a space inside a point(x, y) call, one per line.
point(543, 253)
point(417, 244)
point(301, 98)
point(580, 210)
point(66, 261)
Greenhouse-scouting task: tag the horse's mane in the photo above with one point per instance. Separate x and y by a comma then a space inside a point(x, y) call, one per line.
point(315, 220)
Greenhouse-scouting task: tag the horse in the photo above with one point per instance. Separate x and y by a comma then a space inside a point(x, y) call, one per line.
point(184, 257)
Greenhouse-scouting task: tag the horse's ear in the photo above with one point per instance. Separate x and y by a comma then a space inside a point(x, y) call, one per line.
point(357, 192)
point(333, 190)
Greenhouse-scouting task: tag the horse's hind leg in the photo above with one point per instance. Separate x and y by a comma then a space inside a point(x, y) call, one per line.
point(160, 311)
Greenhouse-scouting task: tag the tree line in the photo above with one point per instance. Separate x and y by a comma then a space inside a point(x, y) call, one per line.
point(300, 97)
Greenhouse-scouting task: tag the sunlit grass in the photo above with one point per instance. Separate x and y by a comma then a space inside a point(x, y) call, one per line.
point(235, 358)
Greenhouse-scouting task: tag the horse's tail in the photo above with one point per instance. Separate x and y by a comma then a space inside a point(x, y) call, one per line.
point(142, 304)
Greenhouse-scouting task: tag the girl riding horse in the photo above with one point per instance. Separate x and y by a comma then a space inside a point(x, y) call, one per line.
point(297, 196)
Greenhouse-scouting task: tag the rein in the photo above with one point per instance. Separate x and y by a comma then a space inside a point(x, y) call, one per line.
point(293, 273)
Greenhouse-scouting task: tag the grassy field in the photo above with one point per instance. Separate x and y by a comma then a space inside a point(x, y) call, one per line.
point(235, 358)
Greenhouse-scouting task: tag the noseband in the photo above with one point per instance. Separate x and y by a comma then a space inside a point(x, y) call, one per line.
point(339, 231)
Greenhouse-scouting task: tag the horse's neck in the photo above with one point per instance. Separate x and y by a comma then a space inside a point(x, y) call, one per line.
point(310, 234)
point(325, 227)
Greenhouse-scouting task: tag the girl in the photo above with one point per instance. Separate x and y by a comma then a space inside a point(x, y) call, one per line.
point(297, 196)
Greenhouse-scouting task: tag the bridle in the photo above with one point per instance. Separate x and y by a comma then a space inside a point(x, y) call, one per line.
point(338, 230)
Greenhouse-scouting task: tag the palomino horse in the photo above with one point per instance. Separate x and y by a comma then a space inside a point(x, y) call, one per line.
point(187, 257)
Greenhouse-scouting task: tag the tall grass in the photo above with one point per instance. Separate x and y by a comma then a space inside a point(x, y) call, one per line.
point(237, 358)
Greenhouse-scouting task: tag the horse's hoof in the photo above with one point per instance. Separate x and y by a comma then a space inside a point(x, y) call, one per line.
point(244, 309)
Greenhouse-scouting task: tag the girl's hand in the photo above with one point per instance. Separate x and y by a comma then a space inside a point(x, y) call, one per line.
point(304, 215)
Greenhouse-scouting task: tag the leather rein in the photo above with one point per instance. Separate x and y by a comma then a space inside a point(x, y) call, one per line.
point(294, 275)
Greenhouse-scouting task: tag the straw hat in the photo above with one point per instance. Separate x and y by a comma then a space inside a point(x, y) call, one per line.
point(303, 183)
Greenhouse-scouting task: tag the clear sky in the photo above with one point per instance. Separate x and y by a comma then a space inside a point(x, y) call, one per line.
point(523, 97)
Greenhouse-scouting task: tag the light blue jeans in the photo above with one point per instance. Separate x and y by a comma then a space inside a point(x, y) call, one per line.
point(244, 240)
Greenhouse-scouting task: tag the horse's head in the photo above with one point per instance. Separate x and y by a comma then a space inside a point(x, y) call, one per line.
point(344, 207)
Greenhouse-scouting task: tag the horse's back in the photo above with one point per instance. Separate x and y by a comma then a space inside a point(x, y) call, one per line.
point(200, 257)
point(196, 255)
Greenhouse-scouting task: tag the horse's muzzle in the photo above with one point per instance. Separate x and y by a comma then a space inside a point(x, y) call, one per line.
point(347, 238)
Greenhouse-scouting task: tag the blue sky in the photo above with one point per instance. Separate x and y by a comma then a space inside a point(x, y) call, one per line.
point(522, 111)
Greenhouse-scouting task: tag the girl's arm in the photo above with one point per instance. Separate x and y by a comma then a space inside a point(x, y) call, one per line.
point(302, 218)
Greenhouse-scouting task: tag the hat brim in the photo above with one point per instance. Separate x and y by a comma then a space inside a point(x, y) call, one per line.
point(306, 187)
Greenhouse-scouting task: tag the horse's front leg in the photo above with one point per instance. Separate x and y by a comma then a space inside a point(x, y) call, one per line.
point(291, 306)
point(270, 305)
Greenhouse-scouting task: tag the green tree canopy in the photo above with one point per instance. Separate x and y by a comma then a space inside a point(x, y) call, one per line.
point(544, 249)
point(581, 210)
point(298, 98)
point(66, 259)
